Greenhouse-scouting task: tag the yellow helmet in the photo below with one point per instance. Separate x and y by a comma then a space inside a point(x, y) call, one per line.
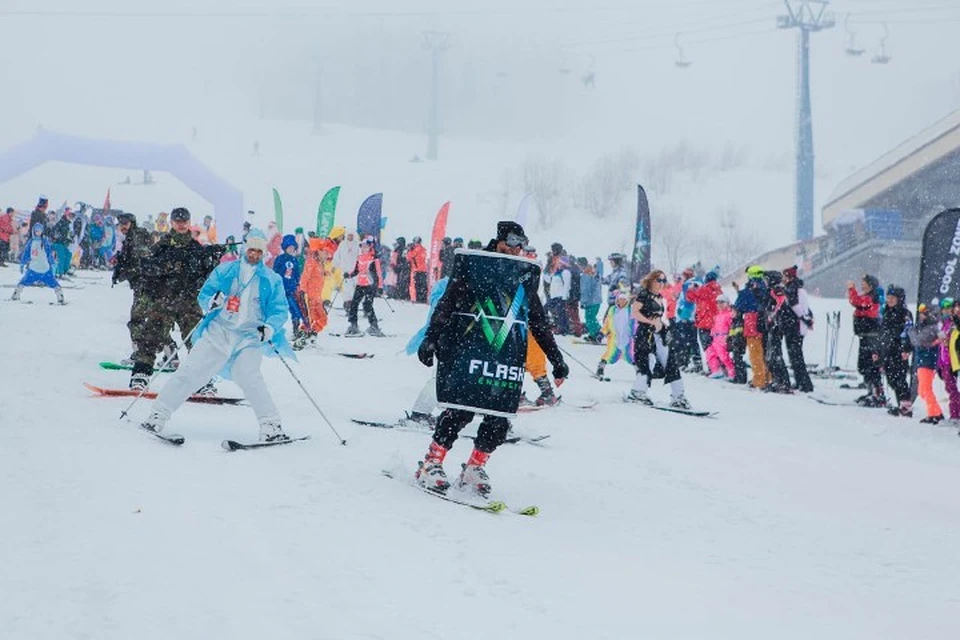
point(755, 271)
point(337, 232)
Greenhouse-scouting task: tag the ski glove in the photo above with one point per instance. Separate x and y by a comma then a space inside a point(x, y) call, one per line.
point(266, 332)
point(561, 371)
point(425, 352)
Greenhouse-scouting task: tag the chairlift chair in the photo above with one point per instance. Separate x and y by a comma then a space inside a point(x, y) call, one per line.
point(882, 57)
point(681, 61)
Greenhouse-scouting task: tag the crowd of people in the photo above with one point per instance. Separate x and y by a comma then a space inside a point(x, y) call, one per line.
point(663, 325)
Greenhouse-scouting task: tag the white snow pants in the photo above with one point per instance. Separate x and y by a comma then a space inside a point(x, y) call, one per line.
point(662, 352)
point(427, 400)
point(202, 363)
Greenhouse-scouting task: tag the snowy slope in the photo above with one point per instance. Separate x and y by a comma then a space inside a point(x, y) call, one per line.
point(782, 518)
point(302, 166)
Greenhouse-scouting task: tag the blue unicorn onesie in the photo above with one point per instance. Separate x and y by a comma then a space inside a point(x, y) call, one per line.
point(37, 264)
point(247, 310)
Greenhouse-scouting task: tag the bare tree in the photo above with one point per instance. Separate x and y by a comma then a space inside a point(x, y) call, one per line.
point(736, 244)
point(504, 193)
point(545, 180)
point(671, 239)
point(603, 188)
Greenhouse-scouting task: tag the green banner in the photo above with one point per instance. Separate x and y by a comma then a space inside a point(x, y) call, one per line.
point(482, 351)
point(327, 212)
point(277, 210)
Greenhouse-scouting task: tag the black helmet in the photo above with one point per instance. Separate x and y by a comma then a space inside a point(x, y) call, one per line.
point(894, 290)
point(616, 257)
point(871, 281)
point(127, 217)
point(180, 213)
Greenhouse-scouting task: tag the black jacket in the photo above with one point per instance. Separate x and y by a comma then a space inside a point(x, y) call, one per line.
point(893, 330)
point(62, 231)
point(457, 298)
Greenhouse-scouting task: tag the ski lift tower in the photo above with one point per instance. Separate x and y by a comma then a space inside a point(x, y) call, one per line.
point(809, 16)
point(436, 43)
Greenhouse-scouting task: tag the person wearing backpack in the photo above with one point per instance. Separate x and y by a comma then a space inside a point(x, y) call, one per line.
point(866, 326)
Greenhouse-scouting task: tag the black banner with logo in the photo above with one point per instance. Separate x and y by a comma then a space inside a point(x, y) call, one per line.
point(940, 258)
point(640, 260)
point(484, 349)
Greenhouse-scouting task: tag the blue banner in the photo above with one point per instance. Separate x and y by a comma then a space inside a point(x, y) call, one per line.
point(369, 218)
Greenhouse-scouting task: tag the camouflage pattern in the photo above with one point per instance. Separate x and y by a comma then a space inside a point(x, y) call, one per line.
point(170, 278)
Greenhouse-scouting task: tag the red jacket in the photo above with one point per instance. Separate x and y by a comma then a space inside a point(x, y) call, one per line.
point(866, 312)
point(671, 293)
point(705, 297)
point(6, 227)
point(417, 257)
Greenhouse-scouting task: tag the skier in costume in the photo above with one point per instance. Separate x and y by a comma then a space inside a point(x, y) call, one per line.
point(312, 285)
point(247, 308)
point(417, 257)
point(684, 330)
point(173, 274)
point(287, 266)
point(343, 263)
point(37, 265)
point(367, 273)
point(620, 328)
point(136, 246)
point(945, 361)
point(439, 342)
point(652, 338)
point(426, 402)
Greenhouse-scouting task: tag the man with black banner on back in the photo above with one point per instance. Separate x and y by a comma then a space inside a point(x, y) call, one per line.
point(171, 278)
point(485, 312)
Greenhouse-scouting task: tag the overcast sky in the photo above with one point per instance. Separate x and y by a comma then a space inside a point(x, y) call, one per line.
point(110, 66)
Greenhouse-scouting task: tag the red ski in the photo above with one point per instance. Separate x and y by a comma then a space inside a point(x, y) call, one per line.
point(150, 395)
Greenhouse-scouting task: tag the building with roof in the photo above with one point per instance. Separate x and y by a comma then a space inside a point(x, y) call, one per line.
point(874, 219)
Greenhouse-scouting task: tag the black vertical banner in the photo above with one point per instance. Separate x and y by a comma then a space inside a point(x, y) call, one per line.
point(940, 258)
point(640, 261)
point(483, 351)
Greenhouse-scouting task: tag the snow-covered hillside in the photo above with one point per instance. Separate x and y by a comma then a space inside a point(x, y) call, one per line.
point(781, 518)
point(483, 179)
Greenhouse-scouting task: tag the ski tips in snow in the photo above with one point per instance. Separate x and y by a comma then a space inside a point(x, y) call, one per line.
point(233, 445)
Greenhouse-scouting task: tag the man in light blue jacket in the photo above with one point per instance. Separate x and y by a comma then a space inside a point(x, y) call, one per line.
point(247, 308)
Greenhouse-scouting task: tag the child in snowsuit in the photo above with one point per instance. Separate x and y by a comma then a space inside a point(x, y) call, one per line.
point(948, 336)
point(311, 284)
point(620, 328)
point(925, 338)
point(287, 267)
point(37, 265)
point(718, 358)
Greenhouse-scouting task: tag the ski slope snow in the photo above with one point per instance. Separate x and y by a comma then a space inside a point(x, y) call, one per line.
point(781, 518)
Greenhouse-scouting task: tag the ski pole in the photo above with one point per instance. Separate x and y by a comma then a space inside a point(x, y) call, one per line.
point(389, 306)
point(163, 365)
point(572, 357)
point(307, 393)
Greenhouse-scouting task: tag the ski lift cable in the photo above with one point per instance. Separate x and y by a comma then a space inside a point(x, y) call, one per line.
point(671, 34)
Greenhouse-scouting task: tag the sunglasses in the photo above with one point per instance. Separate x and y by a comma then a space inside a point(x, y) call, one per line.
point(515, 240)
point(662, 280)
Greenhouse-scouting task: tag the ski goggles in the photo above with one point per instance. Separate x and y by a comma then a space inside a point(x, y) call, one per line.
point(515, 240)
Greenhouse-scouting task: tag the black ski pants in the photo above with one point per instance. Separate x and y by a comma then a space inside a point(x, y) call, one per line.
point(420, 286)
point(896, 370)
point(364, 296)
point(490, 435)
point(773, 353)
point(737, 346)
point(801, 376)
point(686, 344)
point(868, 363)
